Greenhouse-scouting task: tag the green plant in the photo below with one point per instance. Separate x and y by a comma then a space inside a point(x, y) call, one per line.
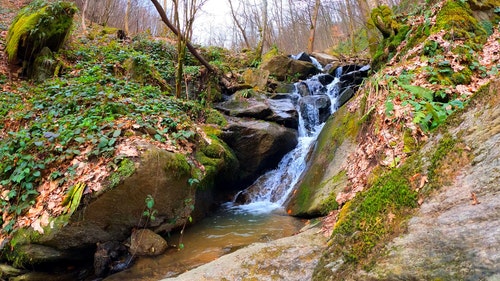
point(149, 213)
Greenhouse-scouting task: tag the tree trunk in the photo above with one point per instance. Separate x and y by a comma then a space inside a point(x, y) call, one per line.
point(238, 25)
point(228, 85)
point(190, 47)
point(312, 32)
point(84, 10)
point(127, 15)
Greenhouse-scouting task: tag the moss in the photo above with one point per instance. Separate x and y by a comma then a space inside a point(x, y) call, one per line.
point(215, 117)
point(370, 218)
point(410, 144)
point(126, 168)
point(219, 161)
point(455, 17)
point(40, 24)
point(344, 124)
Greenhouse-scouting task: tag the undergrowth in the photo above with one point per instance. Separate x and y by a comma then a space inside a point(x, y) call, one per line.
point(94, 105)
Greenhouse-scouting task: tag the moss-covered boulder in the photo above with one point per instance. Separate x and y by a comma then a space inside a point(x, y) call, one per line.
point(283, 68)
point(40, 24)
point(156, 191)
point(325, 176)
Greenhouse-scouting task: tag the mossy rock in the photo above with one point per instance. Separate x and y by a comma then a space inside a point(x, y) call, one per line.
point(38, 25)
point(325, 177)
point(456, 17)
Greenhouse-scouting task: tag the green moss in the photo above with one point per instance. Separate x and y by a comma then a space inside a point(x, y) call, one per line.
point(40, 24)
point(215, 117)
point(371, 217)
point(219, 161)
point(455, 17)
point(126, 168)
point(343, 125)
point(410, 144)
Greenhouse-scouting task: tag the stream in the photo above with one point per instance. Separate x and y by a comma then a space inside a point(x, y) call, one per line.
point(261, 219)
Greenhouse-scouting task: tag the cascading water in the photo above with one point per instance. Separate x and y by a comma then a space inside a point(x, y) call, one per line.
point(271, 190)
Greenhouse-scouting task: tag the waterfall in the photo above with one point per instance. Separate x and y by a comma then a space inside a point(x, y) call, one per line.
point(271, 190)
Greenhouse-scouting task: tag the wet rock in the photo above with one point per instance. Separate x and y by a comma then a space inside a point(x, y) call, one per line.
point(325, 79)
point(39, 254)
point(303, 57)
point(291, 258)
point(325, 174)
point(283, 113)
point(258, 145)
point(345, 96)
point(315, 110)
point(145, 242)
point(107, 256)
point(302, 89)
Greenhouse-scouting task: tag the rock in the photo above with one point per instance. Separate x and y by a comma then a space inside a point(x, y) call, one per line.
point(254, 106)
point(257, 78)
point(283, 113)
point(325, 174)
point(108, 254)
point(325, 59)
point(258, 145)
point(283, 67)
point(302, 89)
point(145, 242)
point(291, 258)
point(325, 79)
point(302, 57)
point(36, 27)
point(109, 217)
point(35, 254)
point(314, 110)
point(345, 96)
point(8, 271)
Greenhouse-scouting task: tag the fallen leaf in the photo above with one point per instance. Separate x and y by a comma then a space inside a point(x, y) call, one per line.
point(474, 198)
point(391, 217)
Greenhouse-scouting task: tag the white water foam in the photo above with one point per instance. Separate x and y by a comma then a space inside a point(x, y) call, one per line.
point(274, 187)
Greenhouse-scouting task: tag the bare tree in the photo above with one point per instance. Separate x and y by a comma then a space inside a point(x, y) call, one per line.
point(314, 20)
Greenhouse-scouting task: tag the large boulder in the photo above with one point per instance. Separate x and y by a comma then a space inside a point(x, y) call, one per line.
point(155, 189)
point(325, 174)
point(283, 67)
point(283, 113)
point(248, 103)
point(258, 145)
point(160, 174)
point(245, 103)
point(39, 25)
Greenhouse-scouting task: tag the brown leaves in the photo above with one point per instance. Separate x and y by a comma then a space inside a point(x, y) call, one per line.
point(473, 197)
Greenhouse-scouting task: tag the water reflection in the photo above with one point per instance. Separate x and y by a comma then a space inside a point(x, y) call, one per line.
point(228, 230)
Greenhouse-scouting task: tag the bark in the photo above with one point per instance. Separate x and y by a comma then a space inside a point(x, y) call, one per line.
point(84, 10)
point(127, 15)
point(312, 32)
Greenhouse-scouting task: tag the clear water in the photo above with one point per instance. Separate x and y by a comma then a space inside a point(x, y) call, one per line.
point(235, 226)
point(223, 233)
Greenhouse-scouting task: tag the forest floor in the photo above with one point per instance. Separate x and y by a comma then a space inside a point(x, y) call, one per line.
point(8, 10)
